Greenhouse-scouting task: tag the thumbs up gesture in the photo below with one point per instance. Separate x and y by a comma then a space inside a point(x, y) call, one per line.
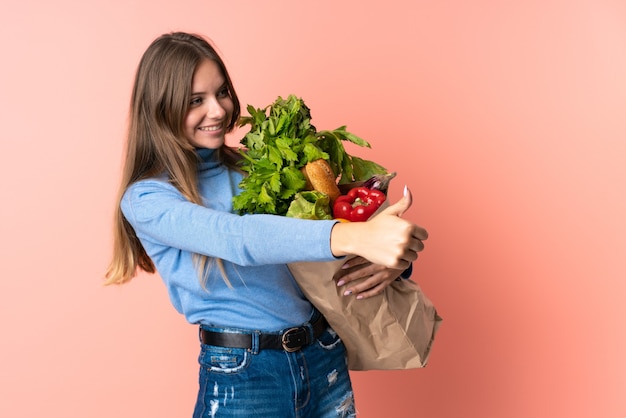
point(387, 239)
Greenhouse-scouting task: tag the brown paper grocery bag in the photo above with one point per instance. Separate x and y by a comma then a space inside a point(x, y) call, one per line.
point(393, 330)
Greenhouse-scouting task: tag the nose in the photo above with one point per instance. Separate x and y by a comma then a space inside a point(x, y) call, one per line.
point(215, 110)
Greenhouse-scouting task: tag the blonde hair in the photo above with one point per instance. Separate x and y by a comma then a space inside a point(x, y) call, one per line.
point(156, 141)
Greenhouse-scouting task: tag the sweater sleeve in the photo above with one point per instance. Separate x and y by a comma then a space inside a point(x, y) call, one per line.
point(162, 217)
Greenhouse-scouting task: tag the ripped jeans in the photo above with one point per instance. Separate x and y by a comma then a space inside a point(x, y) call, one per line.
point(312, 382)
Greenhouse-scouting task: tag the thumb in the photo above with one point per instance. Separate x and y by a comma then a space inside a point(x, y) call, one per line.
point(401, 205)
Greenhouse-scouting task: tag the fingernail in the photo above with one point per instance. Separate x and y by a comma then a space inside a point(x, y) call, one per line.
point(347, 293)
point(341, 283)
point(405, 192)
point(360, 297)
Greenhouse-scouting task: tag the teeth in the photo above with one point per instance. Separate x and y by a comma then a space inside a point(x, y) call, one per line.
point(209, 128)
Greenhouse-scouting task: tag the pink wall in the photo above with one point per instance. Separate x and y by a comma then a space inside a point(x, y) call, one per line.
point(505, 118)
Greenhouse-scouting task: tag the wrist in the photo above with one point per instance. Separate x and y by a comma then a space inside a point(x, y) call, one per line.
point(342, 239)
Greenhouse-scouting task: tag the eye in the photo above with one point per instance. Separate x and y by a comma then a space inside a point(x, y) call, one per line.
point(223, 92)
point(195, 101)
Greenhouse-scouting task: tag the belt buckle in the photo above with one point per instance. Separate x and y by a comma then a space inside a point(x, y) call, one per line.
point(293, 336)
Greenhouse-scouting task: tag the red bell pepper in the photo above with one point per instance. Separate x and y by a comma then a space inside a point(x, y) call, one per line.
point(358, 204)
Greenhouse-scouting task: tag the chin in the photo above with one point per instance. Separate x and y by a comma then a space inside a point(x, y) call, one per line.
point(213, 144)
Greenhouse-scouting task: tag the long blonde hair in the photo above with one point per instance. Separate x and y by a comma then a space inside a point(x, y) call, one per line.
point(156, 141)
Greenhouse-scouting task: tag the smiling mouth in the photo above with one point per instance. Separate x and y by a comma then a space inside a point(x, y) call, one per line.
point(210, 128)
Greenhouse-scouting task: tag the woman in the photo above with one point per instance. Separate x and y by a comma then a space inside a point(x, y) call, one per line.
point(265, 350)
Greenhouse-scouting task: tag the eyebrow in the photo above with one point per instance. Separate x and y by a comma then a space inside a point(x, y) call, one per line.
point(222, 86)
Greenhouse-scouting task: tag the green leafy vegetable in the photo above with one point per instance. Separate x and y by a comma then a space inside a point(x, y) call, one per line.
point(280, 142)
point(310, 205)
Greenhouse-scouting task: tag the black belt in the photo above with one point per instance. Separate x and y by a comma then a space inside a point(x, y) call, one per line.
point(291, 339)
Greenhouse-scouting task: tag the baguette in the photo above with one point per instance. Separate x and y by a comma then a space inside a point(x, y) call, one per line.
point(319, 175)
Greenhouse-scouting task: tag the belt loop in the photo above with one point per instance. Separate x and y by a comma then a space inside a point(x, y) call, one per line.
point(256, 342)
point(309, 325)
point(311, 338)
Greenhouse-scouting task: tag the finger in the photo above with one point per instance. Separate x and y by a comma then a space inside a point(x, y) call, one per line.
point(354, 261)
point(374, 291)
point(401, 205)
point(408, 257)
point(374, 284)
point(362, 286)
point(416, 245)
point(355, 273)
point(419, 232)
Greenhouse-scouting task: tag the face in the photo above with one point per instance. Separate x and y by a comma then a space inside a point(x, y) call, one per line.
point(210, 107)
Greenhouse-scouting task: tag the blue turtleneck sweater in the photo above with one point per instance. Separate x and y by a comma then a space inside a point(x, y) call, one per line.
point(254, 248)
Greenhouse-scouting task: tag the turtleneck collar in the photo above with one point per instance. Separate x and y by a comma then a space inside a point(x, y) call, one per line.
point(208, 159)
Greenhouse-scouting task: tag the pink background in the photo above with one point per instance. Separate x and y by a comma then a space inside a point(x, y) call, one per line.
point(505, 118)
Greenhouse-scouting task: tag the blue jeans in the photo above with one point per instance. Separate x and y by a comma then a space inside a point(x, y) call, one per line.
point(311, 382)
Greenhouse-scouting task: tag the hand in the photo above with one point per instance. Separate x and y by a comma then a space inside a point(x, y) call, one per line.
point(365, 279)
point(386, 239)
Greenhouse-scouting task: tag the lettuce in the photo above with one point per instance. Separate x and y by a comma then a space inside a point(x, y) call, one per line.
point(310, 205)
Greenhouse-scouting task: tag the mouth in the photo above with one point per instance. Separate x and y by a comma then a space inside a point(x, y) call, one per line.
point(212, 128)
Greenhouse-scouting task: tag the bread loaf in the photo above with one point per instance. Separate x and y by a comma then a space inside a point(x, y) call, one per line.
point(320, 176)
